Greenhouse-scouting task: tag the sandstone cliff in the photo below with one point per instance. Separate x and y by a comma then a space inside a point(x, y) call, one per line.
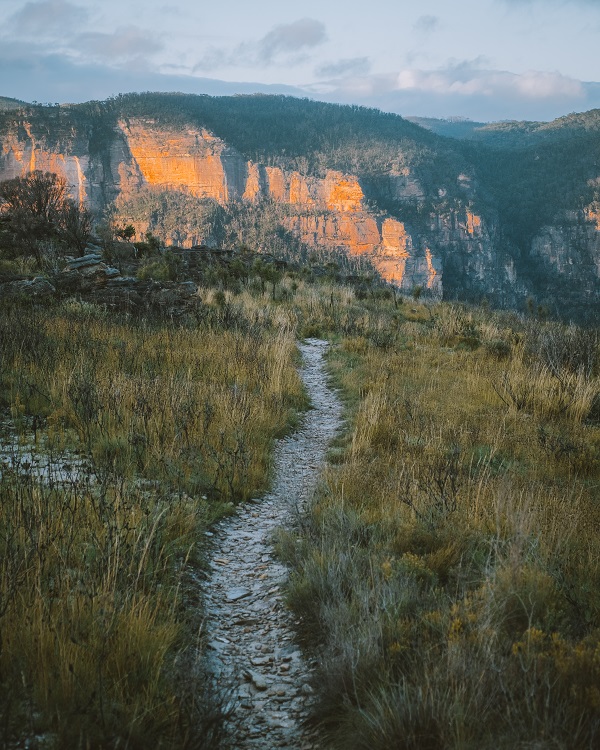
point(446, 245)
point(23, 151)
point(326, 212)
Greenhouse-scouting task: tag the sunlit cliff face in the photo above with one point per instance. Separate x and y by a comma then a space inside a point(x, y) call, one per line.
point(345, 194)
point(431, 272)
point(19, 157)
point(328, 212)
point(331, 210)
point(592, 214)
point(473, 224)
point(174, 160)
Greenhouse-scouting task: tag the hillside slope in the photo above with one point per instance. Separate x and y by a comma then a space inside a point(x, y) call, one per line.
point(458, 218)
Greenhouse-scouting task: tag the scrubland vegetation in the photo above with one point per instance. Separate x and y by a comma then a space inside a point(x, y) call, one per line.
point(446, 575)
point(99, 610)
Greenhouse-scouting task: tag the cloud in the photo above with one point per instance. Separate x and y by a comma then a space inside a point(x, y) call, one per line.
point(47, 16)
point(282, 45)
point(306, 33)
point(468, 79)
point(215, 58)
point(468, 88)
point(426, 24)
point(27, 72)
point(124, 43)
point(348, 66)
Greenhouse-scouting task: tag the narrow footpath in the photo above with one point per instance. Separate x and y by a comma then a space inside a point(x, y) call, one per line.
point(251, 636)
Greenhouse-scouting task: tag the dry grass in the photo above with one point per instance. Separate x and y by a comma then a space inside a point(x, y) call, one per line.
point(447, 575)
point(449, 572)
point(99, 617)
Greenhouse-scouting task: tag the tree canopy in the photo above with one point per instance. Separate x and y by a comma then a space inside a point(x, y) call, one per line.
point(36, 213)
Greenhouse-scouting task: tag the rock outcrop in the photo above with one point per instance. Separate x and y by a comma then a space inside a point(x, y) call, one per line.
point(566, 256)
point(89, 278)
point(26, 289)
point(191, 160)
point(444, 245)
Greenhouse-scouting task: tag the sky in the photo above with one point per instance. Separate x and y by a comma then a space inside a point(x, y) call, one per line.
point(480, 59)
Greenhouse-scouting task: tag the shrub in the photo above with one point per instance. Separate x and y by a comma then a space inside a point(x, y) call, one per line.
point(166, 267)
point(446, 575)
point(498, 348)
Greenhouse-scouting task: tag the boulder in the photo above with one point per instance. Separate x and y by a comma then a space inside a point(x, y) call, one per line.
point(37, 288)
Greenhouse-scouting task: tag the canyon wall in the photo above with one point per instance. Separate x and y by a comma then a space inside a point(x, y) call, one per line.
point(566, 257)
point(23, 152)
point(454, 248)
point(326, 212)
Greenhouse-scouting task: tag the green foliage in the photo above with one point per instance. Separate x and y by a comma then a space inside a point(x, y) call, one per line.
point(75, 226)
point(535, 171)
point(7, 103)
point(159, 268)
point(126, 233)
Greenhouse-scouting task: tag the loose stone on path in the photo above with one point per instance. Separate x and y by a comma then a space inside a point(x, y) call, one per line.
point(251, 635)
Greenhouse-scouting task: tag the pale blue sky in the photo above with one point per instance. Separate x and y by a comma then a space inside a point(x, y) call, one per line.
point(484, 59)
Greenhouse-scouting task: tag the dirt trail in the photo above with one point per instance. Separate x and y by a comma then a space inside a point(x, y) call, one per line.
point(251, 635)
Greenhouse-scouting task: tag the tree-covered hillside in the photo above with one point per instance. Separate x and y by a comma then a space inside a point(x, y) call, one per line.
point(513, 133)
point(530, 171)
point(6, 103)
point(552, 168)
point(309, 136)
point(515, 177)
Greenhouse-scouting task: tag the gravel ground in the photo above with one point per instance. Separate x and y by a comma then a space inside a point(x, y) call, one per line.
point(251, 634)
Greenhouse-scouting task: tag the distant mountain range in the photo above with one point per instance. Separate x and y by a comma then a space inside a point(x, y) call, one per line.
point(504, 211)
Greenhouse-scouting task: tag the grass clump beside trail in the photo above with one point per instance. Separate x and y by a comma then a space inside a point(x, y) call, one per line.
point(448, 574)
point(99, 618)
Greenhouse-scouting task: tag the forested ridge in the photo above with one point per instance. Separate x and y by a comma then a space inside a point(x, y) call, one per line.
point(305, 135)
point(519, 177)
point(526, 170)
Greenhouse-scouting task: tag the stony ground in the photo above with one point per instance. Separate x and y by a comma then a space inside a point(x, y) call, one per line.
point(26, 453)
point(251, 636)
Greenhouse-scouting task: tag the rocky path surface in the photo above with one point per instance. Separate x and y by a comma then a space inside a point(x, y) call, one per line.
point(251, 635)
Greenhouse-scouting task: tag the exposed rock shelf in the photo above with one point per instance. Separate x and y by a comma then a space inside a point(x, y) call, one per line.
point(251, 635)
